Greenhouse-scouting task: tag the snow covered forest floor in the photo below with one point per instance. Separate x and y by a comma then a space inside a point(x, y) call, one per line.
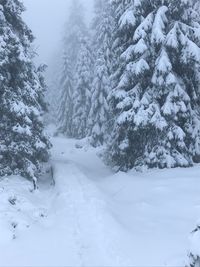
point(93, 217)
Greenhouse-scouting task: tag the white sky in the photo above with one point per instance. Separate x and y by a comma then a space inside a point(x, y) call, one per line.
point(46, 19)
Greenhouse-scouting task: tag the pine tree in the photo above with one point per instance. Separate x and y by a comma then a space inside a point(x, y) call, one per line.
point(99, 116)
point(74, 31)
point(157, 97)
point(127, 17)
point(53, 80)
point(23, 145)
point(82, 90)
point(122, 34)
point(99, 111)
point(65, 110)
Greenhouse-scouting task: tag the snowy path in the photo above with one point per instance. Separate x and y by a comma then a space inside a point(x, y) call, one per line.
point(83, 204)
point(93, 217)
point(77, 229)
point(96, 234)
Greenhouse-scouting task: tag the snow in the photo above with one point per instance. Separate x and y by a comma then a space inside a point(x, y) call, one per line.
point(159, 25)
point(127, 18)
point(171, 38)
point(194, 242)
point(138, 67)
point(163, 63)
point(141, 31)
point(22, 130)
point(193, 51)
point(93, 217)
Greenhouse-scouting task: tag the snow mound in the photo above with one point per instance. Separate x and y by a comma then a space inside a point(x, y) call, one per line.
point(20, 208)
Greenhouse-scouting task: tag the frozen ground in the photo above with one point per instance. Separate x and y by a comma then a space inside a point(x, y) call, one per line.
point(93, 217)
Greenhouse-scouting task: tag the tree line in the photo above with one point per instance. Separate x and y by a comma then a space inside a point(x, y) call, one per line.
point(131, 81)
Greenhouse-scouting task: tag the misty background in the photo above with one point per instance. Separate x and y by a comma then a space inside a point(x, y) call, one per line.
point(48, 30)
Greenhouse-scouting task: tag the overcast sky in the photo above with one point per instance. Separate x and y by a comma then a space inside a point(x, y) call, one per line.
point(46, 19)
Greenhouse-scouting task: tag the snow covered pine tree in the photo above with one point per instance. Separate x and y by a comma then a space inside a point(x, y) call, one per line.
point(82, 89)
point(65, 109)
point(119, 100)
point(74, 31)
point(99, 115)
point(23, 145)
point(156, 101)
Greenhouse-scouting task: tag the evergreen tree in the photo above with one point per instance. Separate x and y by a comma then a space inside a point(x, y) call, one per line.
point(156, 100)
point(122, 33)
point(127, 17)
point(82, 90)
point(53, 80)
point(74, 31)
point(23, 145)
point(99, 116)
point(65, 110)
point(99, 111)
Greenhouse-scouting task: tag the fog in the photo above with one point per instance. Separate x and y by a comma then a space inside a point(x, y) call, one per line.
point(46, 18)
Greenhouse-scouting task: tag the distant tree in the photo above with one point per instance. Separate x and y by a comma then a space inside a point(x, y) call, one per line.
point(156, 101)
point(53, 80)
point(23, 145)
point(82, 89)
point(65, 110)
point(75, 30)
point(99, 111)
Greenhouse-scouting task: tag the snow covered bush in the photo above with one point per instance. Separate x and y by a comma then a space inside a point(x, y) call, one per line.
point(23, 145)
point(156, 99)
